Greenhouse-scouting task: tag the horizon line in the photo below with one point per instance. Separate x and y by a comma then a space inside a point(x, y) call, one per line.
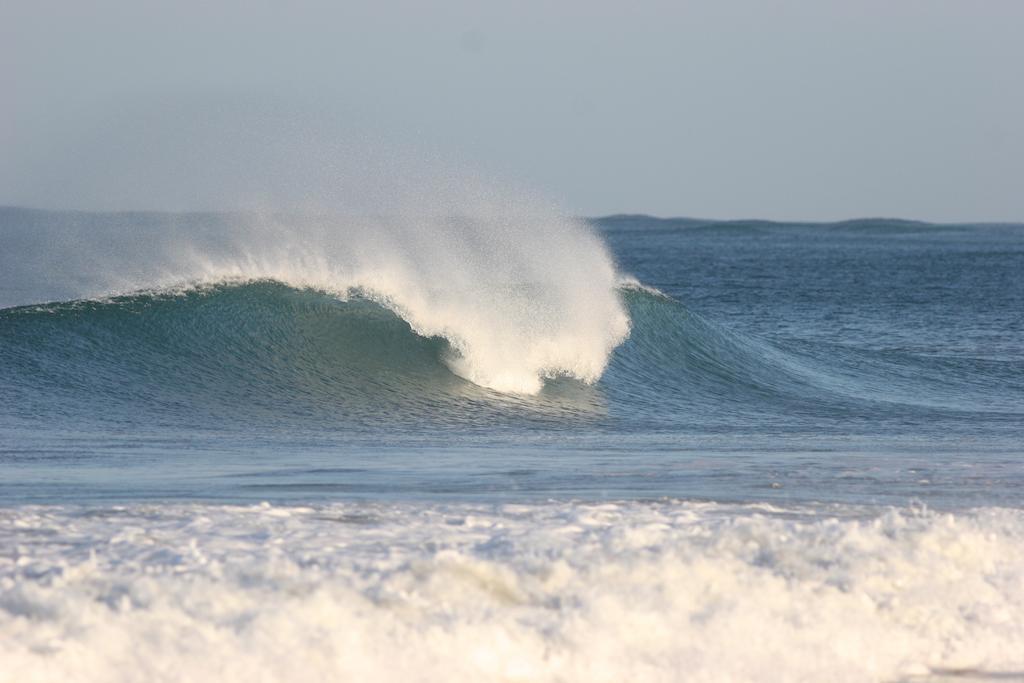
point(619, 216)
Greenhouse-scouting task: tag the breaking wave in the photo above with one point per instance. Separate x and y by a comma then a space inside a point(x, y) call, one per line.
point(519, 293)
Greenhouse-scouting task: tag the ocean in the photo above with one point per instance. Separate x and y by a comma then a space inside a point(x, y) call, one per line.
point(499, 444)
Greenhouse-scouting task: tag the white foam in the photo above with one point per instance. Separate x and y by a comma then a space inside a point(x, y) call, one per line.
point(520, 291)
point(629, 282)
point(550, 592)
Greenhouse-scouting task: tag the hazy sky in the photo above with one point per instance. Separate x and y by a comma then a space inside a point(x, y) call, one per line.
point(810, 109)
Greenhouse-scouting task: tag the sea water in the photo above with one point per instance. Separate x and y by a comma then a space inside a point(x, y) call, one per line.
point(501, 444)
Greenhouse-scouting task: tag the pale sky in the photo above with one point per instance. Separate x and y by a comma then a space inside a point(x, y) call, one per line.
point(802, 109)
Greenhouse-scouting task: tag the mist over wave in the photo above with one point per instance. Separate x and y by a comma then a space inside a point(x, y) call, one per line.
point(520, 292)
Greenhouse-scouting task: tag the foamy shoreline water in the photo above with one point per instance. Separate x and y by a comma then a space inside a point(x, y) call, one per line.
point(658, 591)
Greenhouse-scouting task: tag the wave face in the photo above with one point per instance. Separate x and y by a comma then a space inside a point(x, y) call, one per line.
point(519, 293)
point(254, 353)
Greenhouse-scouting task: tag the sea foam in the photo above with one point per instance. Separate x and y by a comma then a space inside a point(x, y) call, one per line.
point(549, 592)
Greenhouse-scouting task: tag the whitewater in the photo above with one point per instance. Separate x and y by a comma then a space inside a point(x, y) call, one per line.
point(484, 441)
point(601, 592)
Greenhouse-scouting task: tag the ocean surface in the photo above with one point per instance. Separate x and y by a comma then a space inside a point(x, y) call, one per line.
point(504, 445)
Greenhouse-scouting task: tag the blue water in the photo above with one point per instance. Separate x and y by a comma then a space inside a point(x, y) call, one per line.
point(869, 361)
